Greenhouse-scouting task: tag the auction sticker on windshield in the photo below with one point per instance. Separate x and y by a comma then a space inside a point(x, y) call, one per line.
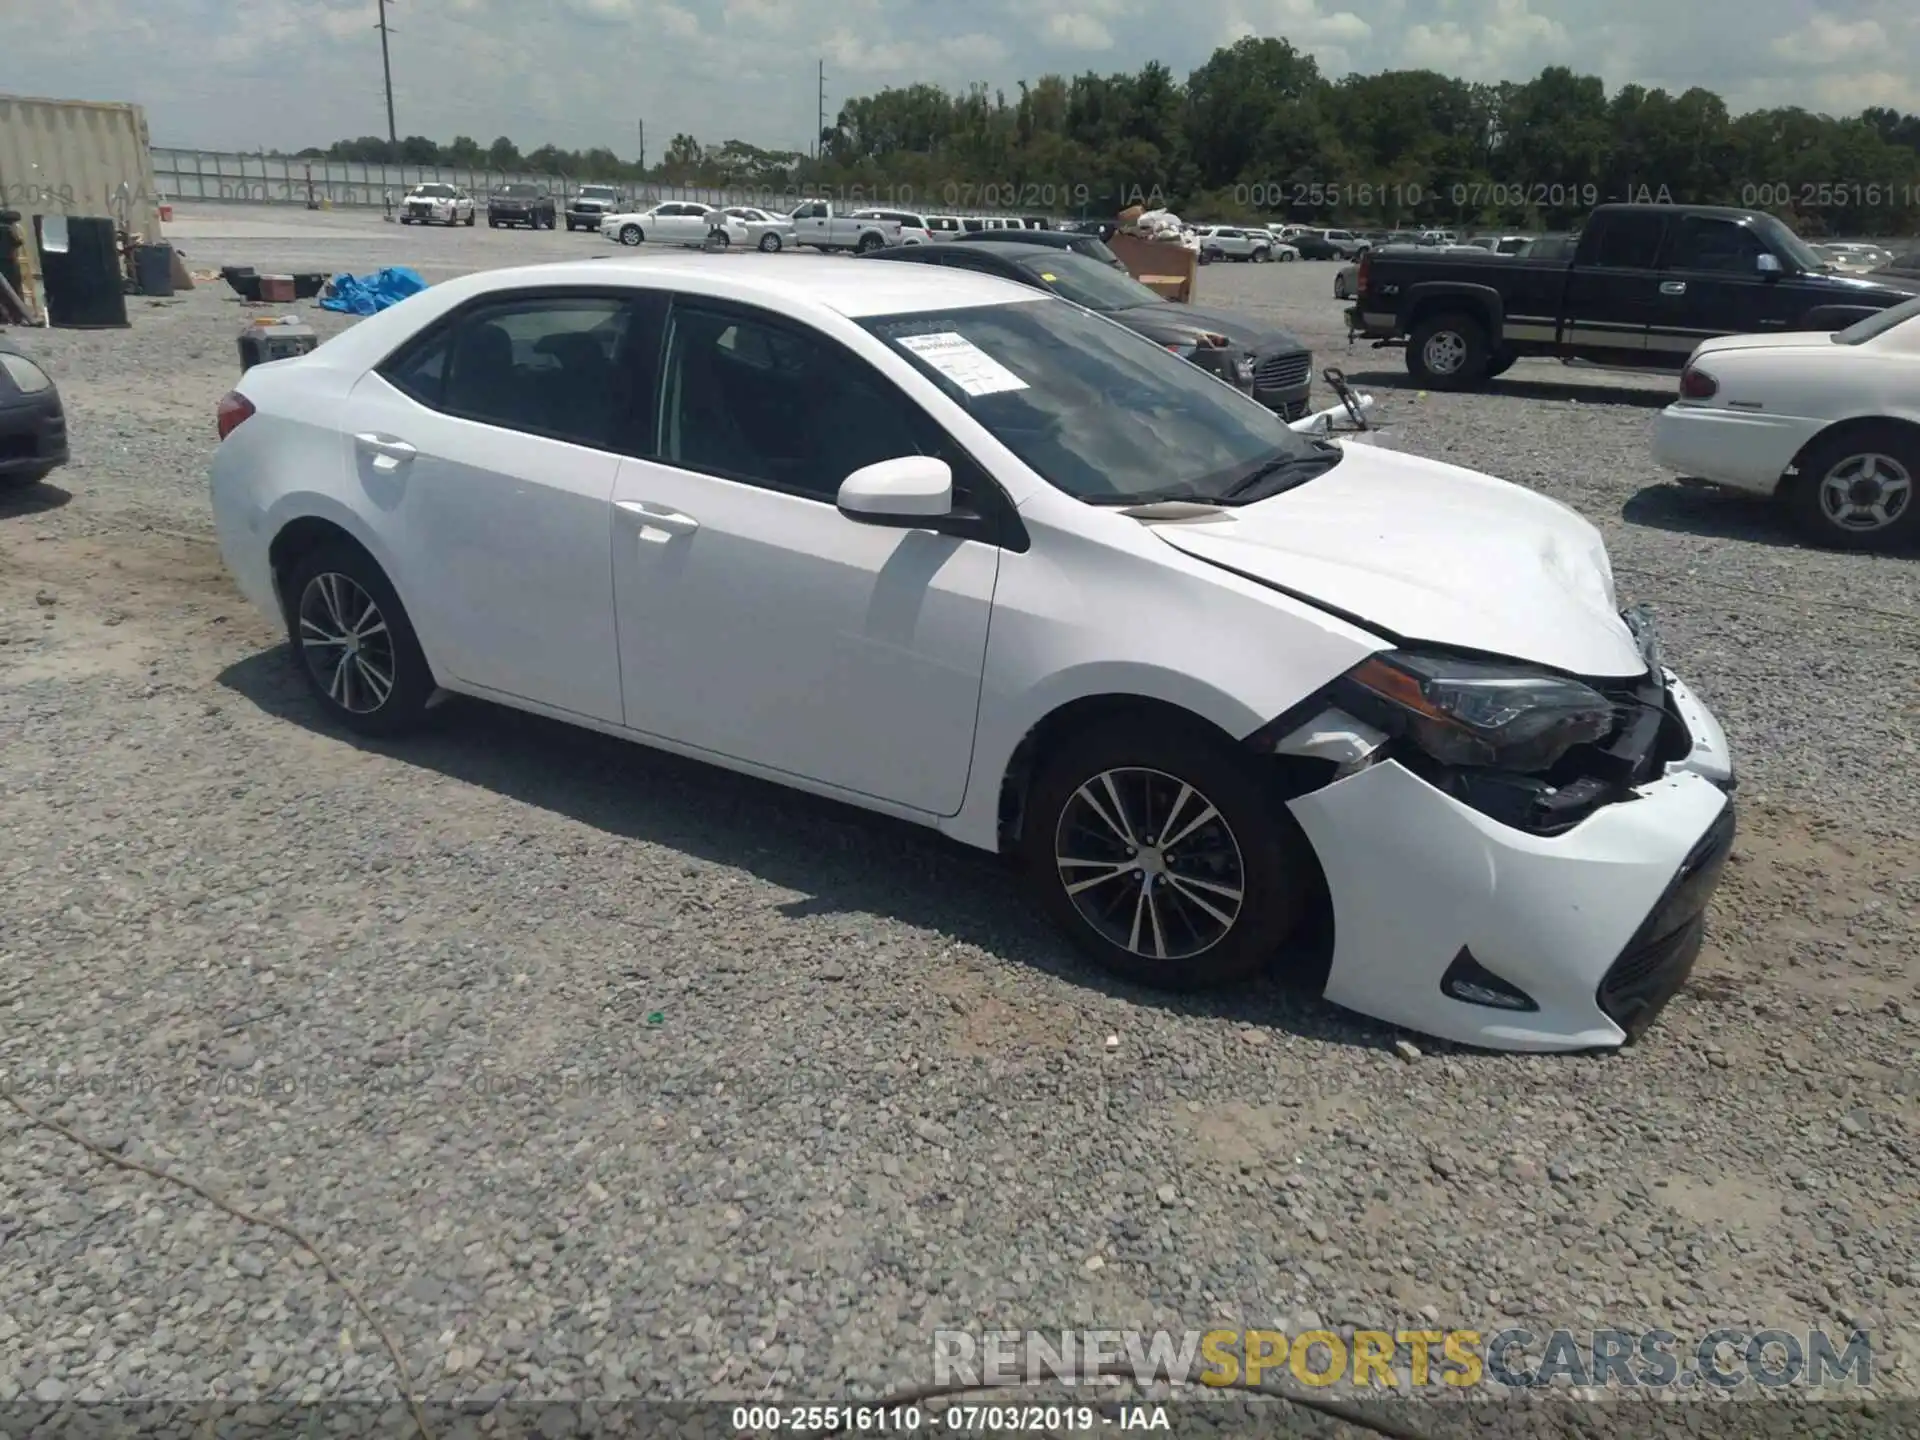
point(963, 362)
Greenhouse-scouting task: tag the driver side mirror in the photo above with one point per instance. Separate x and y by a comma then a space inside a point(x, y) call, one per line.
point(1767, 264)
point(906, 493)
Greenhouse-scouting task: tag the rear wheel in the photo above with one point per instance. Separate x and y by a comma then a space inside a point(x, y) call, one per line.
point(354, 642)
point(770, 242)
point(1340, 286)
point(869, 243)
point(1154, 847)
point(1448, 352)
point(1855, 490)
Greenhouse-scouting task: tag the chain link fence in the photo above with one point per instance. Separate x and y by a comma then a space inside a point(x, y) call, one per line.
point(196, 176)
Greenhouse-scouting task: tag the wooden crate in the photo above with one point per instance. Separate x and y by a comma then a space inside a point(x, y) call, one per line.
point(1167, 270)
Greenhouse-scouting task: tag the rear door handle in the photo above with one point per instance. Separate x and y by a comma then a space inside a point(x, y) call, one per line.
point(389, 452)
point(657, 522)
point(1673, 287)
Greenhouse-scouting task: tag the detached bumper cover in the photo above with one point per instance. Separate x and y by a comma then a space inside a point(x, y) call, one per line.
point(1594, 928)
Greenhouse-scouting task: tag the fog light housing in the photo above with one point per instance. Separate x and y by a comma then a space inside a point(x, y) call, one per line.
point(1469, 981)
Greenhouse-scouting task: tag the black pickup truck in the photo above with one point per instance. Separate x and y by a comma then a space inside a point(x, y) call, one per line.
point(1645, 285)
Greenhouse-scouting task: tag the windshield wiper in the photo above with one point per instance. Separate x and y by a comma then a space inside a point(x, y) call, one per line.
point(1284, 471)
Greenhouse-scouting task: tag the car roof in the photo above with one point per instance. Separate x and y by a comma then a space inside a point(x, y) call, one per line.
point(1059, 239)
point(796, 282)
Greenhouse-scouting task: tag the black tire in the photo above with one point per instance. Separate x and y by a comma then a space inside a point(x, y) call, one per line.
point(472, 215)
point(406, 219)
point(1455, 335)
point(631, 235)
point(22, 480)
point(1837, 460)
point(492, 224)
point(770, 242)
point(1262, 256)
point(1340, 287)
point(1501, 362)
point(1252, 845)
point(868, 244)
point(341, 569)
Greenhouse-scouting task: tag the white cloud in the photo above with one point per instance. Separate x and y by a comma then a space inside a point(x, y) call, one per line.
point(1079, 31)
point(1823, 41)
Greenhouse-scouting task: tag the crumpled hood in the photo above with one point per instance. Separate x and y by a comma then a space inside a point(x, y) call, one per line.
point(1249, 334)
point(1431, 552)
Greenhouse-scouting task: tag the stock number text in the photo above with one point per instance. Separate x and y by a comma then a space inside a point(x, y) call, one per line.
point(1315, 193)
point(868, 1419)
point(1897, 194)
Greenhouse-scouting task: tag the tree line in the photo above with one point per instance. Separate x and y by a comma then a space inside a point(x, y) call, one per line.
point(1257, 132)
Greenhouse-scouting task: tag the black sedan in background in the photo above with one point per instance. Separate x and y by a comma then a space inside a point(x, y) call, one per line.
point(1091, 246)
point(1271, 365)
point(33, 427)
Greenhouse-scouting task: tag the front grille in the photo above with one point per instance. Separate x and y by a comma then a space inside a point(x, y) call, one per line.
point(1277, 372)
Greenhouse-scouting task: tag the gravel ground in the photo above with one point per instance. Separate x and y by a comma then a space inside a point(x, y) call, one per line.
point(602, 1074)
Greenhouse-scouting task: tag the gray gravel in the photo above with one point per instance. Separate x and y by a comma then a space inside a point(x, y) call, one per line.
point(603, 1074)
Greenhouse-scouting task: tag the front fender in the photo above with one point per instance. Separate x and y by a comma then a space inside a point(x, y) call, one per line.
point(316, 505)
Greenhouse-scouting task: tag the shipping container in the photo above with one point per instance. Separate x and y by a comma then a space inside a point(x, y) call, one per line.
point(78, 157)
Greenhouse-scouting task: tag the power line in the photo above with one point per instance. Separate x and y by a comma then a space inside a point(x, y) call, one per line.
point(386, 69)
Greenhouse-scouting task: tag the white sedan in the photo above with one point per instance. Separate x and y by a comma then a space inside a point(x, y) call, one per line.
point(1827, 422)
point(956, 550)
point(434, 203)
point(765, 230)
point(677, 222)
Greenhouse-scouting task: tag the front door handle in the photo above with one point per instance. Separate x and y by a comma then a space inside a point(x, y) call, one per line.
point(657, 522)
point(388, 451)
point(1673, 287)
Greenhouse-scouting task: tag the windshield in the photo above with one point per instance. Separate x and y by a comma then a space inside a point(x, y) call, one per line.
point(516, 190)
point(1097, 411)
point(437, 192)
point(1862, 331)
point(598, 192)
point(1087, 281)
point(1777, 234)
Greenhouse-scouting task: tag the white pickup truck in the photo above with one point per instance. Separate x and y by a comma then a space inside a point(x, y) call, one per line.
point(825, 227)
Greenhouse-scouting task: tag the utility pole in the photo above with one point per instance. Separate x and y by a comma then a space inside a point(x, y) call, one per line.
point(820, 116)
point(643, 147)
point(386, 69)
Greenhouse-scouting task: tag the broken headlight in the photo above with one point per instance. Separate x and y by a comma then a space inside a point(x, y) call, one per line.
point(1477, 713)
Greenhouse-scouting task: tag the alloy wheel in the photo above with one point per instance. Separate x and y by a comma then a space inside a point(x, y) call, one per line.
point(346, 644)
point(1445, 352)
point(1150, 863)
point(1864, 493)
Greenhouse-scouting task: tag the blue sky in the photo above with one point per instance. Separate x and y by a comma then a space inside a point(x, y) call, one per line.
point(583, 72)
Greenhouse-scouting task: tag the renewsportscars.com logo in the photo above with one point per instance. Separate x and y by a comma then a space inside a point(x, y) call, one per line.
point(1514, 1358)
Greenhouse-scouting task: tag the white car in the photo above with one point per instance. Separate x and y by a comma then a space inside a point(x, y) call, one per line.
point(1855, 256)
point(1829, 422)
point(677, 222)
point(1231, 242)
point(765, 230)
point(434, 203)
point(961, 552)
point(914, 229)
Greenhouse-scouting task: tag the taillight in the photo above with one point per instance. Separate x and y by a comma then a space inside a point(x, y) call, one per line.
point(1698, 385)
point(1360, 274)
point(234, 407)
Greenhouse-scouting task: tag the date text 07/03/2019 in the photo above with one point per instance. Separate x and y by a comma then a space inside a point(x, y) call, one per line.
point(962, 1418)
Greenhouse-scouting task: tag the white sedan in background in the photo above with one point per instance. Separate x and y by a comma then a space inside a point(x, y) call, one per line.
point(1827, 422)
point(765, 230)
point(958, 551)
point(676, 222)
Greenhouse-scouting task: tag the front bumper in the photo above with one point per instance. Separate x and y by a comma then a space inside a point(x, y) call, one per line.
point(1595, 928)
point(1744, 451)
point(33, 434)
point(1283, 380)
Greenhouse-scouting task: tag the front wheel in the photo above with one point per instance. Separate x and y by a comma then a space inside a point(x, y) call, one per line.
point(770, 242)
point(471, 217)
point(1855, 490)
point(1157, 850)
point(1448, 352)
point(354, 642)
point(631, 235)
point(1340, 287)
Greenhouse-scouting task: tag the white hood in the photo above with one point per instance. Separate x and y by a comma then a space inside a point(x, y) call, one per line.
point(1433, 552)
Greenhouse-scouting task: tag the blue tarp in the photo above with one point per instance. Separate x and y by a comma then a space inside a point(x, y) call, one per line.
point(370, 294)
